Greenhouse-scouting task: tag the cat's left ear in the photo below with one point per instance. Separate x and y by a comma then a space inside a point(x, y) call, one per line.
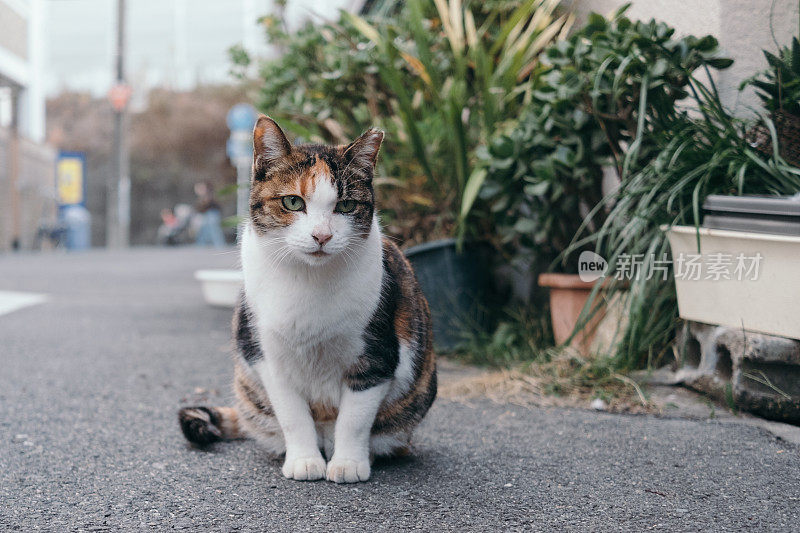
point(269, 142)
point(364, 150)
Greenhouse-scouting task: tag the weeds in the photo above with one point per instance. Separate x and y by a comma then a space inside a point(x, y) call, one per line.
point(556, 378)
point(534, 372)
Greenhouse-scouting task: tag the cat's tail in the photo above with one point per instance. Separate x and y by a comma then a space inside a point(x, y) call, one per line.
point(204, 425)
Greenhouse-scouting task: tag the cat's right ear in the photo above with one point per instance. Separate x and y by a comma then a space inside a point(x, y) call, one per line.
point(269, 143)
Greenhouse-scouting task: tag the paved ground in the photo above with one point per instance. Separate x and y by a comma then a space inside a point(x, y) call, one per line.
point(90, 382)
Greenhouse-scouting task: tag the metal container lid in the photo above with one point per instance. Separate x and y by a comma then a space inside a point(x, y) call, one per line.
point(754, 205)
point(760, 214)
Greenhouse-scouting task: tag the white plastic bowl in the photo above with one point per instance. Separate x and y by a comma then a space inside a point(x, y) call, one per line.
point(221, 287)
point(769, 304)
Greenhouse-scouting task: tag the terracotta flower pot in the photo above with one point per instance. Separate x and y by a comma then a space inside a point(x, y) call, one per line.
point(568, 295)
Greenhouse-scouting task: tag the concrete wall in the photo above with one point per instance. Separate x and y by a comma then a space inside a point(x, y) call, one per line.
point(743, 27)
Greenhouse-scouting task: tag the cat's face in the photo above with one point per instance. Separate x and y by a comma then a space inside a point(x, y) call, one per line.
point(312, 202)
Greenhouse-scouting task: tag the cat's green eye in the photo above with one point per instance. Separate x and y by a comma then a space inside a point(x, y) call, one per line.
point(345, 206)
point(293, 203)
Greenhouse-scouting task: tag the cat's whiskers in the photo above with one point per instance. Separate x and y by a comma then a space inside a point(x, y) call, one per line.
point(275, 255)
point(226, 252)
point(349, 259)
point(284, 252)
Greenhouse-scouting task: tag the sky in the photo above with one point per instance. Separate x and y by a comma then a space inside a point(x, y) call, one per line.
point(171, 43)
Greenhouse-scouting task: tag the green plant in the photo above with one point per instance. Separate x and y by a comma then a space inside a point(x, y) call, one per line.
point(520, 336)
point(779, 86)
point(698, 152)
point(612, 84)
point(455, 75)
point(779, 91)
point(539, 177)
point(628, 75)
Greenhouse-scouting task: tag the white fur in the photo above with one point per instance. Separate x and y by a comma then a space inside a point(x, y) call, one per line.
point(388, 443)
point(357, 410)
point(320, 217)
point(310, 314)
point(403, 374)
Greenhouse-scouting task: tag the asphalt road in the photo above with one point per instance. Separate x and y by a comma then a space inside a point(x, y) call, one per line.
point(90, 382)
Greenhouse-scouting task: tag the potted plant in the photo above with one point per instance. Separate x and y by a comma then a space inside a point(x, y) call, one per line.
point(539, 177)
point(758, 237)
point(698, 153)
point(602, 102)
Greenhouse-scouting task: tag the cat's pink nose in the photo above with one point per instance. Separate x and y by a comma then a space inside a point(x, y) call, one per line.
point(321, 237)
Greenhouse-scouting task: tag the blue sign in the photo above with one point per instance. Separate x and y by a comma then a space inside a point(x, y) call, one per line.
point(242, 117)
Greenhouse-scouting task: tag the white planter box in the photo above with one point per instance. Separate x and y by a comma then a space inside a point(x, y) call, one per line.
point(770, 303)
point(221, 287)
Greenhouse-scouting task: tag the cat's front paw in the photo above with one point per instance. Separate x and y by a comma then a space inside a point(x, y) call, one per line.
point(342, 470)
point(304, 468)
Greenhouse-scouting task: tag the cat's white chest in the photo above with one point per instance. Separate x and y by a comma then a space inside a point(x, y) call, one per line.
point(309, 310)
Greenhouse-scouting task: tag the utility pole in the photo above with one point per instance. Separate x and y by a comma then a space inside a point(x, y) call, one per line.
point(118, 199)
point(13, 171)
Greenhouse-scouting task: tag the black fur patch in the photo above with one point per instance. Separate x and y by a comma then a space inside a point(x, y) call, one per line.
point(200, 425)
point(259, 173)
point(246, 340)
point(382, 348)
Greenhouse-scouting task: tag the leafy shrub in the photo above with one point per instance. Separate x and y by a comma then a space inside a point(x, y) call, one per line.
point(454, 85)
point(541, 177)
point(609, 90)
point(779, 86)
point(779, 91)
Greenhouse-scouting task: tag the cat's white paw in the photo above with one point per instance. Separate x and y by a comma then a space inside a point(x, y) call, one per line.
point(348, 470)
point(304, 468)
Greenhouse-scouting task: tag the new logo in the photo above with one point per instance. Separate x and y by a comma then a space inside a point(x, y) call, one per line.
point(591, 266)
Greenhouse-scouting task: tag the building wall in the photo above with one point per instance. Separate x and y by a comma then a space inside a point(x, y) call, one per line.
point(14, 37)
point(34, 184)
point(27, 167)
point(743, 27)
point(21, 65)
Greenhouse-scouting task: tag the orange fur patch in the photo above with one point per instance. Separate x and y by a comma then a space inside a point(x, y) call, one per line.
point(266, 197)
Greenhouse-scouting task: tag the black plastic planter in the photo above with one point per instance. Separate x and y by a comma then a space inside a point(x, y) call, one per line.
point(458, 286)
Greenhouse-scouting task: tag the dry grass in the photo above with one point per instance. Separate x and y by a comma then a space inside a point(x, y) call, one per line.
point(566, 380)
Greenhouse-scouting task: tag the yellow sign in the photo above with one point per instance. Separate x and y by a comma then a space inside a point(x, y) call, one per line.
point(69, 179)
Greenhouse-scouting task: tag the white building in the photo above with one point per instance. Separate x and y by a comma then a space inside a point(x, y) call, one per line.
point(22, 67)
point(27, 173)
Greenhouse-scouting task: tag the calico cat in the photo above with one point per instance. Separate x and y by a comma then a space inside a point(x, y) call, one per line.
point(333, 333)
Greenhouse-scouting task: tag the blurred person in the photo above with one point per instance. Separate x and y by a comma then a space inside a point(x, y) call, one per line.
point(176, 226)
point(209, 216)
point(166, 232)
